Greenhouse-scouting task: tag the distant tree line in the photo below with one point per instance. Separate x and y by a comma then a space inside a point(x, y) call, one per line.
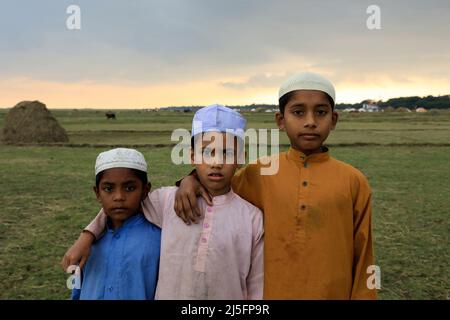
point(429, 102)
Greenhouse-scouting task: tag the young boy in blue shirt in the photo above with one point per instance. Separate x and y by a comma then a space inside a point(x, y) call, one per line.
point(124, 263)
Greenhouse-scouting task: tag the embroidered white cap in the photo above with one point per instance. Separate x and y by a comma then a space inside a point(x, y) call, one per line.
point(120, 158)
point(218, 118)
point(307, 81)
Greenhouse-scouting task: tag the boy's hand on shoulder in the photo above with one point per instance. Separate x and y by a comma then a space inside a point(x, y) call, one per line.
point(79, 252)
point(186, 205)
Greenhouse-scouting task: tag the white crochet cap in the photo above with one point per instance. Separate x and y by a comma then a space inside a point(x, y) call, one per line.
point(307, 81)
point(120, 158)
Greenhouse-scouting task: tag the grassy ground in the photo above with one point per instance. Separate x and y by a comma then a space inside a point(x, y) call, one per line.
point(46, 194)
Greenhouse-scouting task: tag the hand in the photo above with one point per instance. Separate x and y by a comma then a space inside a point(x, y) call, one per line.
point(186, 205)
point(79, 252)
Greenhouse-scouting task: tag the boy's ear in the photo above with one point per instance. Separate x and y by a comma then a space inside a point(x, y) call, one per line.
point(240, 165)
point(192, 157)
point(97, 193)
point(146, 190)
point(279, 119)
point(334, 119)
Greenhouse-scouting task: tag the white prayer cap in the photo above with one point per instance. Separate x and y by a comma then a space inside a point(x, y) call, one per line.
point(218, 118)
point(307, 81)
point(120, 158)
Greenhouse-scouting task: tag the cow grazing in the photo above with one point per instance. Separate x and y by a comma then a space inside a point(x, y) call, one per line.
point(110, 115)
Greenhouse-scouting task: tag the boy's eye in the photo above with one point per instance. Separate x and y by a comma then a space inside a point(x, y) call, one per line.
point(321, 112)
point(228, 153)
point(130, 188)
point(207, 153)
point(107, 189)
point(298, 112)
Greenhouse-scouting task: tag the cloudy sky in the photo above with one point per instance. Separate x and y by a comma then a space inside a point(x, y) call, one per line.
point(135, 54)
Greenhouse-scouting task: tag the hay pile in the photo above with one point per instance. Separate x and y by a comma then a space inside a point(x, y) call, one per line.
point(31, 122)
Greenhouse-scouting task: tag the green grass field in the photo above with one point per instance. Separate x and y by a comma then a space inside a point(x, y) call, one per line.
point(46, 196)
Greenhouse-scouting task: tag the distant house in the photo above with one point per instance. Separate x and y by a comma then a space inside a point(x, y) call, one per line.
point(369, 106)
point(421, 110)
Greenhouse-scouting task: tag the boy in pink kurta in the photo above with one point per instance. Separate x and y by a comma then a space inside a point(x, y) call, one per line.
point(219, 258)
point(222, 256)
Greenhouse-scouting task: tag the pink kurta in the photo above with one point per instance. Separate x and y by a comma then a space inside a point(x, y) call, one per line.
point(221, 257)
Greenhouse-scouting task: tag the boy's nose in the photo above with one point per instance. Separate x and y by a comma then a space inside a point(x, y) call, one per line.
point(217, 162)
point(310, 121)
point(119, 196)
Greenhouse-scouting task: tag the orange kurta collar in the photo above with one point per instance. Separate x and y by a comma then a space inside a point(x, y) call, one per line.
point(299, 156)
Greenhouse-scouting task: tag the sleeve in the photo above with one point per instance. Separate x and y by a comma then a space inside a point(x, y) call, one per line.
point(76, 291)
point(247, 183)
point(97, 226)
point(193, 172)
point(153, 206)
point(362, 240)
point(75, 294)
point(255, 279)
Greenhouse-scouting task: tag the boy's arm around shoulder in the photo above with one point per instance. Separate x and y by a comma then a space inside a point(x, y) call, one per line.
point(247, 183)
point(255, 279)
point(153, 205)
point(152, 208)
point(363, 256)
point(79, 252)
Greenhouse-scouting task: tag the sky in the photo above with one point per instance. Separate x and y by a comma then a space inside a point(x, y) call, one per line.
point(145, 54)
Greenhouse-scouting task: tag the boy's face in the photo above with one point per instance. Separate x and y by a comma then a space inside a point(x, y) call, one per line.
point(215, 174)
point(120, 192)
point(308, 119)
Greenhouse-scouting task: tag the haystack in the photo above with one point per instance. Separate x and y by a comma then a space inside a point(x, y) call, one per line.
point(31, 122)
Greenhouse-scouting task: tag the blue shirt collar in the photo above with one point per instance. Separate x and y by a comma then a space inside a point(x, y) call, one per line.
point(131, 221)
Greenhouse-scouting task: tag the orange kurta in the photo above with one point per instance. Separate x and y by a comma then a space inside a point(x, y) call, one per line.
point(317, 221)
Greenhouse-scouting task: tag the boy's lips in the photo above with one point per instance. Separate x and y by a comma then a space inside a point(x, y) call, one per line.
point(215, 176)
point(119, 210)
point(309, 136)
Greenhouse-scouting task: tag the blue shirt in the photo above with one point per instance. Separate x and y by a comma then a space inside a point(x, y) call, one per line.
point(123, 264)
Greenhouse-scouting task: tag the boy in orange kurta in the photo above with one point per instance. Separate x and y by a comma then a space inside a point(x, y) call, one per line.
point(317, 210)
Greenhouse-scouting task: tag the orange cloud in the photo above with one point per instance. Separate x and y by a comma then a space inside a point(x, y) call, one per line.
point(96, 95)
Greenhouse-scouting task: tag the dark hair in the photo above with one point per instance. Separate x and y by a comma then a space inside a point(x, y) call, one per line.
point(140, 174)
point(282, 102)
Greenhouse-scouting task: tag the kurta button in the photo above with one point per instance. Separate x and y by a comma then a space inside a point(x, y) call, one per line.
point(110, 288)
point(117, 236)
point(305, 183)
point(302, 207)
point(209, 209)
point(206, 225)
